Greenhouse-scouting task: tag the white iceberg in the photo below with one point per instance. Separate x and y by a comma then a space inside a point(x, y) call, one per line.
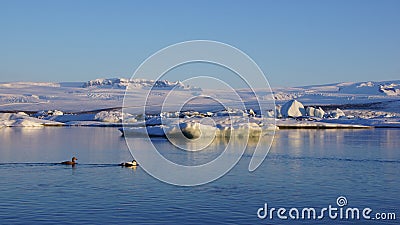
point(23, 120)
point(293, 108)
point(338, 113)
point(313, 112)
point(310, 111)
point(320, 113)
point(114, 117)
point(193, 128)
point(230, 112)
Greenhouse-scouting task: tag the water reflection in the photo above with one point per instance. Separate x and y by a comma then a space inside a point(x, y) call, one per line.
point(233, 146)
point(55, 144)
point(104, 145)
point(323, 143)
point(133, 168)
point(303, 168)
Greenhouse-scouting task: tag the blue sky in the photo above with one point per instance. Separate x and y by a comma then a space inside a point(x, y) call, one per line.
point(294, 42)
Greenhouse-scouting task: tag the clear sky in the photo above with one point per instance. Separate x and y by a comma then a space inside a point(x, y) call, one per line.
point(294, 42)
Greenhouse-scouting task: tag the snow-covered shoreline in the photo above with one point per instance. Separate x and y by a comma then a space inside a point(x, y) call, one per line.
point(341, 105)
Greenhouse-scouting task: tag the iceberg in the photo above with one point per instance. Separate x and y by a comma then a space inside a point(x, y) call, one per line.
point(320, 113)
point(23, 120)
point(293, 108)
point(310, 111)
point(313, 112)
point(114, 117)
point(193, 128)
point(337, 114)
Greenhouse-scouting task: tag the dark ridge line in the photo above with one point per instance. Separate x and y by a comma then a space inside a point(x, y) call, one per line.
point(372, 105)
point(16, 111)
point(96, 110)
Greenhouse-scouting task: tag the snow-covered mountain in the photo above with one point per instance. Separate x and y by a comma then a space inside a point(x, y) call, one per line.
point(109, 93)
point(391, 88)
point(137, 83)
point(82, 96)
point(341, 93)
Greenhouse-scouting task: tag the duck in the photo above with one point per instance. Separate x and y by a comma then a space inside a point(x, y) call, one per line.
point(72, 162)
point(129, 164)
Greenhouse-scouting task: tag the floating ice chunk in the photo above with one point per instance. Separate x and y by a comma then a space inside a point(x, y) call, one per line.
point(320, 113)
point(313, 112)
point(22, 114)
point(269, 114)
point(23, 120)
point(337, 114)
point(43, 114)
point(310, 111)
point(252, 113)
point(278, 111)
point(24, 123)
point(170, 114)
point(114, 117)
point(40, 114)
point(57, 113)
point(293, 108)
point(109, 116)
point(196, 130)
point(231, 112)
point(193, 128)
point(129, 119)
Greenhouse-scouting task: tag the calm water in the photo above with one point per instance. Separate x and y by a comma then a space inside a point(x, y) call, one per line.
point(305, 168)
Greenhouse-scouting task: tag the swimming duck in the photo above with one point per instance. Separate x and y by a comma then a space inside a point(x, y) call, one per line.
point(129, 164)
point(72, 162)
